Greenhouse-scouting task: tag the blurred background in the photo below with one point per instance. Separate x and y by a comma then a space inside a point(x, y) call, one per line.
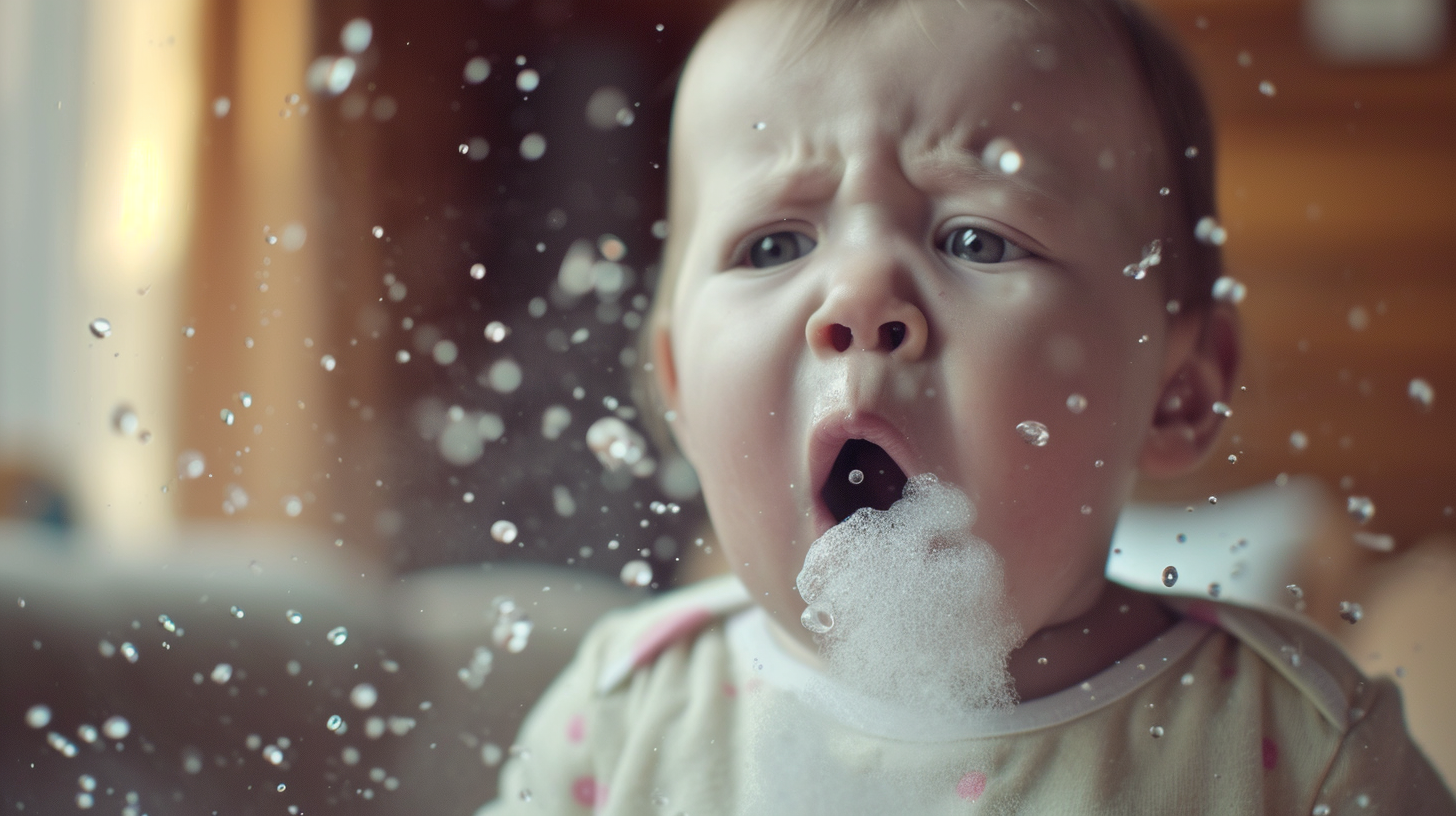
point(296, 292)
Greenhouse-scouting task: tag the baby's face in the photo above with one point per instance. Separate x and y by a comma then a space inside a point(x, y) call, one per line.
point(852, 269)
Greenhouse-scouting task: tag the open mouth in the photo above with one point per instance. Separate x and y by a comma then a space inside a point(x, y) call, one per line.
point(863, 475)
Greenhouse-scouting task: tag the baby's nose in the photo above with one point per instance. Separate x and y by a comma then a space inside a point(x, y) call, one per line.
point(890, 336)
point(884, 324)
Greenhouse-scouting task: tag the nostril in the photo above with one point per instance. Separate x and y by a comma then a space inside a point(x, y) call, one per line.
point(892, 334)
point(840, 336)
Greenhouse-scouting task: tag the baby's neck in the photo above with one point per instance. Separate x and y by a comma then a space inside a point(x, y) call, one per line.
point(1117, 625)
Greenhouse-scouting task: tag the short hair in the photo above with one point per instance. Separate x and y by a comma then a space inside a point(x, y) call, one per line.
point(1177, 102)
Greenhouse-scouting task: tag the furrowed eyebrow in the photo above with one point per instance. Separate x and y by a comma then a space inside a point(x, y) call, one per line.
point(948, 169)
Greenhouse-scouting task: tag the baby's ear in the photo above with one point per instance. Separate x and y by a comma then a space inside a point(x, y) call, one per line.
point(1203, 357)
point(664, 370)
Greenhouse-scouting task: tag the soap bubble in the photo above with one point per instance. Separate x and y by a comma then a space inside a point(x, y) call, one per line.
point(912, 606)
point(636, 573)
point(1034, 433)
point(856, 476)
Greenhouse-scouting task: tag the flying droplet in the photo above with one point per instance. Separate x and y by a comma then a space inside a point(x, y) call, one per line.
point(496, 331)
point(759, 125)
point(477, 271)
point(101, 327)
point(856, 476)
point(1034, 433)
point(1156, 731)
point(273, 754)
point(402, 356)
point(1076, 403)
point(338, 635)
point(817, 619)
point(636, 573)
point(1208, 231)
point(1421, 393)
point(533, 146)
point(1222, 409)
point(335, 723)
point(292, 506)
point(328, 362)
point(1360, 508)
point(1298, 440)
point(1351, 612)
point(221, 673)
point(1152, 256)
point(1267, 88)
point(377, 232)
point(528, 80)
point(167, 623)
point(293, 616)
point(1001, 154)
point(226, 416)
point(237, 612)
point(477, 70)
point(1214, 590)
point(246, 399)
point(130, 652)
point(1170, 576)
point(38, 716)
point(116, 727)
point(1229, 290)
point(503, 531)
point(363, 696)
point(66, 747)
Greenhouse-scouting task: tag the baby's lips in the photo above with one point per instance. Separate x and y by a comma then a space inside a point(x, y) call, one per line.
point(829, 437)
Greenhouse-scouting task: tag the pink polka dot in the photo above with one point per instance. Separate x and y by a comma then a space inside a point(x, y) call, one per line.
point(1270, 754)
point(730, 690)
point(584, 791)
point(576, 729)
point(971, 786)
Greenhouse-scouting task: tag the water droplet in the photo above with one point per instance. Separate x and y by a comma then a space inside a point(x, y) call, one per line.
point(1233, 459)
point(293, 616)
point(1351, 612)
point(335, 723)
point(1229, 290)
point(1214, 590)
point(402, 356)
point(1360, 508)
point(528, 80)
point(1156, 731)
point(1099, 463)
point(1152, 256)
point(363, 696)
point(221, 673)
point(1170, 576)
point(328, 362)
point(1034, 433)
point(1213, 500)
point(1320, 810)
point(1187, 679)
point(273, 754)
point(245, 399)
point(1267, 88)
point(292, 506)
point(124, 420)
point(496, 331)
point(1086, 509)
point(226, 416)
point(1298, 440)
point(817, 619)
point(101, 327)
point(1222, 409)
point(533, 146)
point(503, 531)
point(759, 125)
point(338, 635)
point(60, 743)
point(856, 476)
point(237, 612)
point(282, 787)
point(87, 782)
point(130, 652)
point(477, 271)
point(116, 727)
point(1164, 191)
point(377, 232)
point(1001, 154)
point(1421, 393)
point(477, 70)
point(167, 623)
point(1379, 542)
point(636, 573)
point(1208, 231)
point(38, 716)
point(1076, 403)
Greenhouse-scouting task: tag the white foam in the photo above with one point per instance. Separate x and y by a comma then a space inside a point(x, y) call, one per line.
point(917, 604)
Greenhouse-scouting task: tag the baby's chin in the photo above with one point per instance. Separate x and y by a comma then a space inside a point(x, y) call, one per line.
point(908, 607)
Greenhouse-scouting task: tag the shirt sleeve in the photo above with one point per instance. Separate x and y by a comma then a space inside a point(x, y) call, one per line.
point(1378, 769)
point(556, 763)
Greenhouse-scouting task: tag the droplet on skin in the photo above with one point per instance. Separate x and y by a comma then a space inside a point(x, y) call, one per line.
point(1034, 433)
point(1076, 403)
point(101, 328)
point(1421, 393)
point(856, 476)
point(503, 531)
point(1001, 154)
point(338, 635)
point(1360, 508)
point(1170, 576)
point(636, 573)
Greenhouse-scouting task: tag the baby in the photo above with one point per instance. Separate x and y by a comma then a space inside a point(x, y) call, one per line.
point(932, 301)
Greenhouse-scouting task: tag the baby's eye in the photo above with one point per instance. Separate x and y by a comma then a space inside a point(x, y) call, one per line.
point(779, 248)
point(982, 246)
